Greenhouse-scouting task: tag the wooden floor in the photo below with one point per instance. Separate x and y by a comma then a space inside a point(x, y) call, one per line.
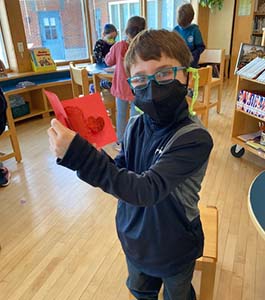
point(58, 234)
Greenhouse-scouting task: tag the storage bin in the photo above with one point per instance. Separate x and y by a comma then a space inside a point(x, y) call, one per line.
point(19, 111)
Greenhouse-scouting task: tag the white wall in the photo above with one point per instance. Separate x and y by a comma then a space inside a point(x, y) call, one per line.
point(220, 27)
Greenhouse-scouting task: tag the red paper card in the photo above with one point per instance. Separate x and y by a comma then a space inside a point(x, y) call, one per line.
point(86, 115)
point(58, 109)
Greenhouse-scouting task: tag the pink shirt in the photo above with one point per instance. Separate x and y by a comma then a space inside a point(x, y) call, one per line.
point(120, 87)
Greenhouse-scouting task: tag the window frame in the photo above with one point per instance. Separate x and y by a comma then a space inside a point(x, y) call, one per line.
point(2, 41)
point(87, 36)
point(119, 4)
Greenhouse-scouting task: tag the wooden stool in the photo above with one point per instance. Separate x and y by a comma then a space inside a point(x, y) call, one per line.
point(10, 132)
point(109, 102)
point(207, 263)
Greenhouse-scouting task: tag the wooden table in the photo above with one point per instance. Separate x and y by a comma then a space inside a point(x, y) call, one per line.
point(98, 71)
point(256, 203)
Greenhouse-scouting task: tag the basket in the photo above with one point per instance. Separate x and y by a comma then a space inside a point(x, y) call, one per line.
point(21, 110)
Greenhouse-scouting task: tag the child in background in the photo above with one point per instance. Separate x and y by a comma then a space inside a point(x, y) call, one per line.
point(158, 173)
point(120, 87)
point(102, 46)
point(101, 49)
point(190, 32)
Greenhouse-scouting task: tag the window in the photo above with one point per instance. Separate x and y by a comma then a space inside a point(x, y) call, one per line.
point(3, 56)
point(59, 25)
point(120, 12)
point(115, 12)
point(163, 13)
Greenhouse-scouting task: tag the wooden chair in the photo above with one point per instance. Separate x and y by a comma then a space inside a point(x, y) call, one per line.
point(207, 263)
point(80, 86)
point(80, 80)
point(202, 105)
point(215, 56)
point(11, 133)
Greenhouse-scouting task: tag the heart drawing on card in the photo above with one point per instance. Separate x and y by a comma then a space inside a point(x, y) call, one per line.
point(95, 125)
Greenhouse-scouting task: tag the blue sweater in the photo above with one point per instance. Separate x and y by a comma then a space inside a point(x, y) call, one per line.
point(156, 177)
point(193, 39)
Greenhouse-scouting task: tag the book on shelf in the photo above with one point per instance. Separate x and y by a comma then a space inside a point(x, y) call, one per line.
point(255, 143)
point(247, 53)
point(86, 115)
point(252, 103)
point(258, 24)
point(253, 69)
point(250, 136)
point(256, 40)
point(261, 77)
point(253, 139)
point(41, 60)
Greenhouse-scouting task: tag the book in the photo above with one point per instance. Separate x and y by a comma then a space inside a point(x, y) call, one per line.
point(252, 103)
point(248, 52)
point(256, 145)
point(261, 77)
point(86, 115)
point(252, 69)
point(41, 60)
point(250, 136)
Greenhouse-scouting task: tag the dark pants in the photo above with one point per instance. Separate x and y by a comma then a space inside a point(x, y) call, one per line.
point(177, 287)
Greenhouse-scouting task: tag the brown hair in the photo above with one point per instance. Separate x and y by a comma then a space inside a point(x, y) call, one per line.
point(134, 26)
point(185, 15)
point(151, 44)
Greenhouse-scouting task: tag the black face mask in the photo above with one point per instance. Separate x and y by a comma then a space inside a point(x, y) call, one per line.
point(161, 102)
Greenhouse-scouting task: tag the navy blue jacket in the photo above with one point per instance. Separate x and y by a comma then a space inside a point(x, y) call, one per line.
point(101, 49)
point(193, 39)
point(157, 179)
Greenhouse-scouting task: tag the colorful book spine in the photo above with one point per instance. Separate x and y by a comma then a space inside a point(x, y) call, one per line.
point(251, 103)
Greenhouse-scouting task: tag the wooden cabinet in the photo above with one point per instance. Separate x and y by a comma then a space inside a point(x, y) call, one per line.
point(35, 97)
point(58, 82)
point(244, 122)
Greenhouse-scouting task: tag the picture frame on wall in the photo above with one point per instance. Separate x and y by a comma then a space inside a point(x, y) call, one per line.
point(248, 52)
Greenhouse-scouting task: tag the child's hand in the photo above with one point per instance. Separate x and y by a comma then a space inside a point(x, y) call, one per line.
point(60, 138)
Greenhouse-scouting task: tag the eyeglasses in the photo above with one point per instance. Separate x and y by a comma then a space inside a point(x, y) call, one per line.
point(161, 77)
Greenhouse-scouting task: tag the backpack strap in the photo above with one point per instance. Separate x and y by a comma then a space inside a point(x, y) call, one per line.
point(183, 130)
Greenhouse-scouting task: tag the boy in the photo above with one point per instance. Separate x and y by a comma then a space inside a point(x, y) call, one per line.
point(101, 49)
point(102, 46)
point(158, 173)
point(190, 32)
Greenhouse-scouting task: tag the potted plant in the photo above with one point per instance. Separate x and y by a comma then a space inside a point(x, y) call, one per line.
point(212, 4)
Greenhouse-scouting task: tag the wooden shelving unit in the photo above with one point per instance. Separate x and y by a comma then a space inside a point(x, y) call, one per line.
point(243, 122)
point(258, 23)
point(36, 98)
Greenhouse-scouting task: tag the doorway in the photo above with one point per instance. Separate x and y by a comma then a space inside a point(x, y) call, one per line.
point(51, 33)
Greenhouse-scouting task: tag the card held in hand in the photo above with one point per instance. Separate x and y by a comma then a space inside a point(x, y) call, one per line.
point(86, 115)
